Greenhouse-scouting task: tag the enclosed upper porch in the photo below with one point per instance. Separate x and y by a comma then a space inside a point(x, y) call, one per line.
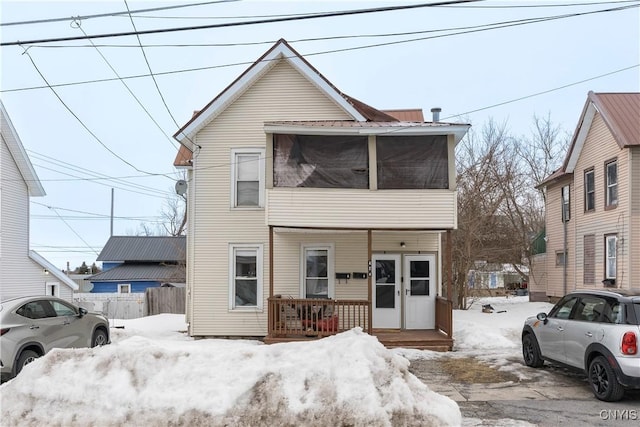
point(358, 175)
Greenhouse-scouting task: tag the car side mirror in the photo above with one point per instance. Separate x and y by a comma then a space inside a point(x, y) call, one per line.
point(82, 311)
point(542, 317)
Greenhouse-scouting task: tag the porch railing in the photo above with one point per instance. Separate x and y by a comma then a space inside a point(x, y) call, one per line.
point(444, 316)
point(299, 317)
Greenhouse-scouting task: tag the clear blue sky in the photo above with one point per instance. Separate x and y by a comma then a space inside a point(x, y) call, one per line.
point(460, 73)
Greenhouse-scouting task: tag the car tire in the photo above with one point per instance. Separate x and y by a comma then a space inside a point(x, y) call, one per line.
point(531, 351)
point(604, 384)
point(99, 338)
point(26, 357)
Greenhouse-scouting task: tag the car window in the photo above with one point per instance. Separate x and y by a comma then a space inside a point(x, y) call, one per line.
point(62, 309)
point(33, 310)
point(590, 309)
point(562, 310)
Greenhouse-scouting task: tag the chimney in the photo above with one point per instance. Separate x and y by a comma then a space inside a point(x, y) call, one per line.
point(436, 114)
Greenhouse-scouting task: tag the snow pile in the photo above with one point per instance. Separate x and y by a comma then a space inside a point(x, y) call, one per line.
point(347, 379)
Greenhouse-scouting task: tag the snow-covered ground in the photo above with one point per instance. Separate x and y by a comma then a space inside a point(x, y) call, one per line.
point(153, 374)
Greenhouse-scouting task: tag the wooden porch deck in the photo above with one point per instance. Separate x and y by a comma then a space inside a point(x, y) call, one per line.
point(425, 339)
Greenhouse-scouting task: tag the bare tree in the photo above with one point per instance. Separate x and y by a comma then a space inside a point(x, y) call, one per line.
point(499, 209)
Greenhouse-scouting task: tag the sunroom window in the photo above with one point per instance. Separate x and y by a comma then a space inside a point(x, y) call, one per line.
point(412, 162)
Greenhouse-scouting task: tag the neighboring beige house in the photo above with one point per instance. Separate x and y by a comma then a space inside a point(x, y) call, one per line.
point(22, 272)
point(310, 212)
point(593, 203)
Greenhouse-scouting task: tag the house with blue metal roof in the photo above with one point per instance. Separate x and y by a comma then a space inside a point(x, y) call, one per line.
point(134, 263)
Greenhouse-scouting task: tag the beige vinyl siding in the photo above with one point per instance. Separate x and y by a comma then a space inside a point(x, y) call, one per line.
point(350, 256)
point(555, 240)
point(599, 147)
point(315, 207)
point(281, 94)
point(634, 223)
point(20, 275)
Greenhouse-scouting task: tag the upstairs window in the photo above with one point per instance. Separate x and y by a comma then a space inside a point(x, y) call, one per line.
point(566, 206)
point(320, 161)
point(589, 191)
point(247, 169)
point(414, 162)
point(611, 173)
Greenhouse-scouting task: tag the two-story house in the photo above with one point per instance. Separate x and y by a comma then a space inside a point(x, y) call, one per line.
point(23, 272)
point(310, 212)
point(593, 203)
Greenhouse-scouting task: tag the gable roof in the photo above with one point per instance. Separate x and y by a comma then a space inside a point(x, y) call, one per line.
point(407, 114)
point(621, 114)
point(55, 272)
point(144, 249)
point(14, 144)
point(358, 110)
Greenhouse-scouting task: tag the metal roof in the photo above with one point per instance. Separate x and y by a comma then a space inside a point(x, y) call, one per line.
point(144, 249)
point(621, 113)
point(138, 272)
point(407, 114)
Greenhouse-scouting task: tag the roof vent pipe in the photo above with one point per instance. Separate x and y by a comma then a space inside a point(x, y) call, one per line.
point(436, 114)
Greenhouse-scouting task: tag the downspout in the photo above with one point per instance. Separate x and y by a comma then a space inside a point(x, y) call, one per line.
point(566, 258)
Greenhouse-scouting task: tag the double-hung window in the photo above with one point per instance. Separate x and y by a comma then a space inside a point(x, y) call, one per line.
point(589, 191)
point(317, 271)
point(611, 253)
point(611, 173)
point(245, 273)
point(247, 183)
point(566, 212)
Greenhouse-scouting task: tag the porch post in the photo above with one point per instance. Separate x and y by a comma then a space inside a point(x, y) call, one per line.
point(270, 261)
point(449, 267)
point(371, 270)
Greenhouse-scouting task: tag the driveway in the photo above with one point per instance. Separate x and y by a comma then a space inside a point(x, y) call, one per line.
point(553, 396)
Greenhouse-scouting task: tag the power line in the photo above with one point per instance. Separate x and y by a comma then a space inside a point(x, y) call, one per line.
point(472, 29)
point(510, 6)
point(543, 92)
point(155, 82)
point(26, 52)
point(244, 23)
point(72, 230)
point(103, 15)
point(128, 89)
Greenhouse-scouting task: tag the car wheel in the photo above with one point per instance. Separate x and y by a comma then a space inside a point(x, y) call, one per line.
point(604, 384)
point(531, 351)
point(25, 358)
point(99, 338)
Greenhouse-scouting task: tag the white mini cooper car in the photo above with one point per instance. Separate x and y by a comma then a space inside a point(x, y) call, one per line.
point(595, 331)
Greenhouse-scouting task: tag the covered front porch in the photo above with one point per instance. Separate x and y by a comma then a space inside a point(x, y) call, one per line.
point(308, 319)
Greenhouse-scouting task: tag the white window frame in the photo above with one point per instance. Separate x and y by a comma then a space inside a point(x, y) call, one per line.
point(608, 274)
point(261, 176)
point(589, 191)
point(330, 248)
point(566, 203)
point(122, 286)
point(611, 186)
point(233, 248)
point(52, 289)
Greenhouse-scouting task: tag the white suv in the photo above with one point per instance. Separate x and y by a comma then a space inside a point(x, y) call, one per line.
point(595, 331)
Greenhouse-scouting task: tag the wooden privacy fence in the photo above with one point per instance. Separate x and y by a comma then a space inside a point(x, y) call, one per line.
point(291, 317)
point(164, 300)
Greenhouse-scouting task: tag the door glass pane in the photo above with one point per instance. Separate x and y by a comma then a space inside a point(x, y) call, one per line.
point(317, 288)
point(385, 296)
point(317, 263)
point(419, 287)
point(385, 271)
point(419, 268)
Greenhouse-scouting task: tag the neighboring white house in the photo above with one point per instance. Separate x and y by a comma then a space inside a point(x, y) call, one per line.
point(304, 201)
point(23, 272)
